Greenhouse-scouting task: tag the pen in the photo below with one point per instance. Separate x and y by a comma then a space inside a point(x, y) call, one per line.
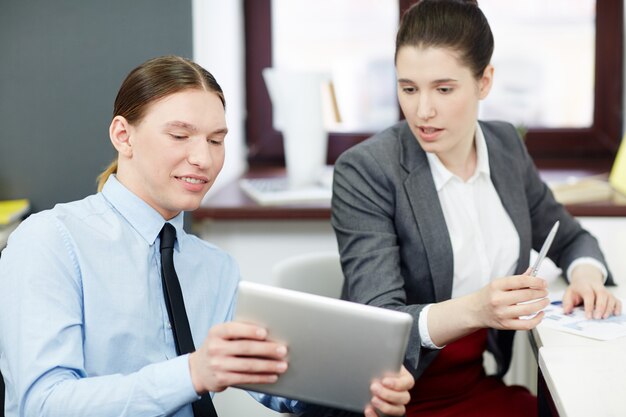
point(544, 249)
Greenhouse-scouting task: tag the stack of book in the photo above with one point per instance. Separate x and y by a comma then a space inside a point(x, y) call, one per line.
point(596, 188)
point(582, 190)
point(11, 213)
point(617, 179)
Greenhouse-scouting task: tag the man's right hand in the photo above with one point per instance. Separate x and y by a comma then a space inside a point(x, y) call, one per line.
point(236, 353)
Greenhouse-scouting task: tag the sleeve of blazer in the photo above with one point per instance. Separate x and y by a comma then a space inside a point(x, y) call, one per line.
point(571, 241)
point(363, 212)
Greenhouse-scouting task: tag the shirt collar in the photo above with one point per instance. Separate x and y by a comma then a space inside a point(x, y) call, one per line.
point(441, 174)
point(139, 214)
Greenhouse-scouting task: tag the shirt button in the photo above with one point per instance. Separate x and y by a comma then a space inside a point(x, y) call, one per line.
point(168, 325)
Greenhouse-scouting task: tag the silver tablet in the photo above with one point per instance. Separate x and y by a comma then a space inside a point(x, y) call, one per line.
point(335, 347)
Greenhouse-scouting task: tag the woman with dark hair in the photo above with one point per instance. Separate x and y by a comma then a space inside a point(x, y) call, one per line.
point(89, 325)
point(436, 216)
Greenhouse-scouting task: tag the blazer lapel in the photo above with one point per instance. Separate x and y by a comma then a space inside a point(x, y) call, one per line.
point(428, 214)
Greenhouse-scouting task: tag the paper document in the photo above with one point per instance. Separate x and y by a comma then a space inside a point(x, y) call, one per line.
point(610, 328)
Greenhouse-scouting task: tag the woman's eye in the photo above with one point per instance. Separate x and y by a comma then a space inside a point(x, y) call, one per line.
point(445, 90)
point(408, 90)
point(178, 137)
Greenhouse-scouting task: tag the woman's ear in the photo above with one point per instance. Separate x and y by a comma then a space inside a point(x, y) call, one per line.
point(119, 133)
point(485, 82)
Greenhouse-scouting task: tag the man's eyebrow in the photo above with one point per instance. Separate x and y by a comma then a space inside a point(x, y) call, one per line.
point(193, 128)
point(180, 124)
point(222, 131)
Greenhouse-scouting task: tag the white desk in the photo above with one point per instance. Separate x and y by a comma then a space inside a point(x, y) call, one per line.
point(586, 380)
point(587, 377)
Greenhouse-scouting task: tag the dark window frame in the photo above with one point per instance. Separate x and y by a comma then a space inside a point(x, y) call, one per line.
point(548, 146)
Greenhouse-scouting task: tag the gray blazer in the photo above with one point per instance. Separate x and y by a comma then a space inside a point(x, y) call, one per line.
point(393, 239)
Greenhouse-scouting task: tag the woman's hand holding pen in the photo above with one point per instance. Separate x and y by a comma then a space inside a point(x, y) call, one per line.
point(587, 287)
point(503, 302)
point(500, 305)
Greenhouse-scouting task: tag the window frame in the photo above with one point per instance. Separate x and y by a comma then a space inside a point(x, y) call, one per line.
point(549, 147)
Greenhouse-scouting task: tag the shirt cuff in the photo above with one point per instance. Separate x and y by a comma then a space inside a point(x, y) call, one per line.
point(422, 325)
point(587, 261)
point(173, 379)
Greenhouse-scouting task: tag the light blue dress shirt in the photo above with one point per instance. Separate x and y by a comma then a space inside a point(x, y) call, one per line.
point(84, 330)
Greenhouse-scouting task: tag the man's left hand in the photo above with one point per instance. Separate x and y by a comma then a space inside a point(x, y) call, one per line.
point(391, 394)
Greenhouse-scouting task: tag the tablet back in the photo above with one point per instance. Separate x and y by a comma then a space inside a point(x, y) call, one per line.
point(335, 347)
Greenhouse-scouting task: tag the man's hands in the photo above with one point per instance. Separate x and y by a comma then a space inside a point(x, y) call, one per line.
point(587, 287)
point(390, 394)
point(236, 353)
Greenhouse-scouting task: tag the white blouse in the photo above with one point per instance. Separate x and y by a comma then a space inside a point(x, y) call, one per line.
point(485, 244)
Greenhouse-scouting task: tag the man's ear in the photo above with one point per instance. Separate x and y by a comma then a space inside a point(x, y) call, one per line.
point(485, 82)
point(119, 133)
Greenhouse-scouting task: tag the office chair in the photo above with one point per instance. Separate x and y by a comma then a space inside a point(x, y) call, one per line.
point(316, 273)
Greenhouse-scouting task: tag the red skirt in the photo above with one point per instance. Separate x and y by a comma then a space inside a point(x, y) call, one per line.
point(455, 384)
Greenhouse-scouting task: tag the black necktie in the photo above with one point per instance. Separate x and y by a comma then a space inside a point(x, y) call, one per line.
point(176, 311)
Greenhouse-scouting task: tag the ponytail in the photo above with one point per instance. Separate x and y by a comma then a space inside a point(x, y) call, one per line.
point(104, 176)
